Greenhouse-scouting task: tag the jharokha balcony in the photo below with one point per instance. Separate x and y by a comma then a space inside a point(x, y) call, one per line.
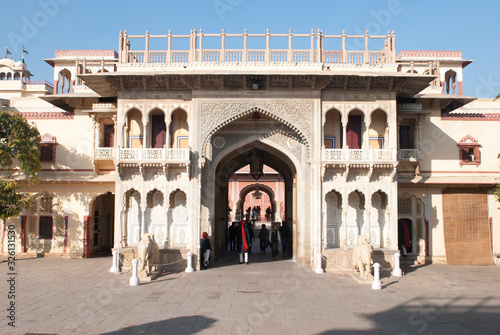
point(347, 156)
point(143, 155)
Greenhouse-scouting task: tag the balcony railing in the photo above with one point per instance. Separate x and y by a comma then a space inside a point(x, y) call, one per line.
point(359, 155)
point(104, 153)
point(409, 154)
point(142, 154)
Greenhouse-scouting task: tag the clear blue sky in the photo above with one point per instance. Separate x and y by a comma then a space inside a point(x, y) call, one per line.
point(43, 26)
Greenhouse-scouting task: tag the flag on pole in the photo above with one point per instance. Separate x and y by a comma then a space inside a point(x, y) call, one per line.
point(24, 50)
point(7, 52)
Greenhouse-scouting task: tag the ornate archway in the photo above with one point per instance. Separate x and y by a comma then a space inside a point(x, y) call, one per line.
point(257, 187)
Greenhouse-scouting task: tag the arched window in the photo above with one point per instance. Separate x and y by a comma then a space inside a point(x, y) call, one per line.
point(158, 129)
point(64, 81)
point(354, 130)
point(469, 153)
point(179, 129)
point(377, 130)
point(333, 130)
point(450, 79)
point(135, 129)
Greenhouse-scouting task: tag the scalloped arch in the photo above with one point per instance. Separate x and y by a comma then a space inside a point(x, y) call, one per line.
point(247, 112)
point(382, 109)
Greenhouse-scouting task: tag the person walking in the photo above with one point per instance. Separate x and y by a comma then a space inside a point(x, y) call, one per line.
point(233, 231)
point(254, 216)
point(243, 242)
point(284, 235)
point(274, 240)
point(263, 237)
point(205, 248)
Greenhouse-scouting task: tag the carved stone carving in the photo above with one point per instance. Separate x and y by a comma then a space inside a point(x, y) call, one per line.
point(290, 112)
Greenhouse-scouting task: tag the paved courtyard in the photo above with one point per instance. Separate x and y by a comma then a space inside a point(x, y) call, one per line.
point(79, 296)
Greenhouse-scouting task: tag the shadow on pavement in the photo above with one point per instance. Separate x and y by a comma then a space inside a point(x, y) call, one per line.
point(180, 325)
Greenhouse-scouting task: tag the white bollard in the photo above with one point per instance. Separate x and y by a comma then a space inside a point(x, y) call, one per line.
point(190, 262)
point(376, 284)
point(319, 269)
point(397, 270)
point(115, 268)
point(134, 280)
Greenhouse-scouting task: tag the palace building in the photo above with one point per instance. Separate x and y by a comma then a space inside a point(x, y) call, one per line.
point(340, 135)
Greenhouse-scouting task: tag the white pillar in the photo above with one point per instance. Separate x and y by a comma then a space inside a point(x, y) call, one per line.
point(319, 268)
point(134, 280)
point(397, 270)
point(189, 267)
point(376, 284)
point(115, 268)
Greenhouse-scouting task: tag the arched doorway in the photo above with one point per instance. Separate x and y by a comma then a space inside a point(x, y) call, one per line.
point(101, 225)
point(258, 187)
point(233, 161)
point(405, 229)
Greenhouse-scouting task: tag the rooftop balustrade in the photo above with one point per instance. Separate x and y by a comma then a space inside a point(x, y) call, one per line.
point(317, 53)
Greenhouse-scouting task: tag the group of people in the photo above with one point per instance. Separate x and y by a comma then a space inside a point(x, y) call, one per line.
point(274, 237)
point(241, 238)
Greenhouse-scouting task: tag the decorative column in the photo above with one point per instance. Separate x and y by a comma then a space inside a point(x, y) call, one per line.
point(368, 210)
point(367, 134)
point(167, 131)
point(344, 134)
point(367, 52)
point(169, 50)
point(344, 51)
point(268, 53)
point(143, 214)
point(245, 51)
point(124, 226)
point(146, 49)
point(145, 137)
point(398, 129)
point(344, 226)
point(419, 134)
point(93, 137)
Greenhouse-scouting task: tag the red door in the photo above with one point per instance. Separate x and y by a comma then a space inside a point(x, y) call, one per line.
point(159, 131)
point(109, 136)
point(353, 130)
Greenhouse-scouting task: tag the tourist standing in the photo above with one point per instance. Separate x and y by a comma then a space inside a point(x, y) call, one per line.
point(232, 236)
point(243, 241)
point(284, 235)
point(205, 248)
point(274, 240)
point(263, 237)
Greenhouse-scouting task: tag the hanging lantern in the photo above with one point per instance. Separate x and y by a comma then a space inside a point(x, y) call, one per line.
point(256, 194)
point(256, 163)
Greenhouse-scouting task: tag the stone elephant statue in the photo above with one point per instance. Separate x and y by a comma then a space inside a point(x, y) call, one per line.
point(362, 257)
point(148, 253)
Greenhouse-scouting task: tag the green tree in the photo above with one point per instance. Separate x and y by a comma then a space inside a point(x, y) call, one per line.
point(20, 155)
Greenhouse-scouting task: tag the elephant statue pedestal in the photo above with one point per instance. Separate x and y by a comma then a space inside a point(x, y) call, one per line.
point(362, 260)
point(148, 256)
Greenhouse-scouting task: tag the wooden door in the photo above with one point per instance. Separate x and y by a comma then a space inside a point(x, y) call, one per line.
point(404, 137)
point(354, 132)
point(158, 131)
point(109, 136)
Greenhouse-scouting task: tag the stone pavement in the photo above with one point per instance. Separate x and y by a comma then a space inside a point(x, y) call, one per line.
point(79, 296)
